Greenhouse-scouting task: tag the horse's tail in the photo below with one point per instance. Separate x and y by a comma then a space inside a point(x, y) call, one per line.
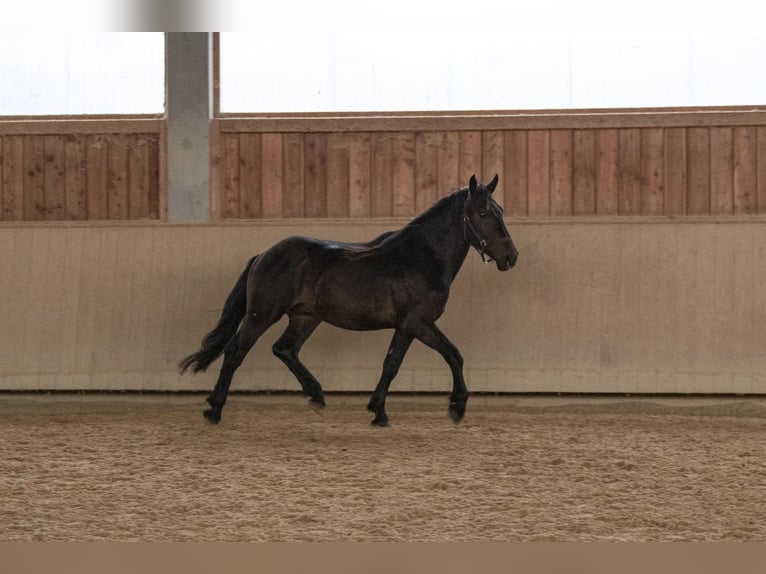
point(214, 342)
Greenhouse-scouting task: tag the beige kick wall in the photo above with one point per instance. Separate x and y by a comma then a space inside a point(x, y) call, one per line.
point(628, 307)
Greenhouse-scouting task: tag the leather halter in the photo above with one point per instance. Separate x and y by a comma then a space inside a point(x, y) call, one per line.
point(482, 242)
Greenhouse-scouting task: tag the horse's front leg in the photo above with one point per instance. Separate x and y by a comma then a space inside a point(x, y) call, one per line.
point(396, 351)
point(430, 335)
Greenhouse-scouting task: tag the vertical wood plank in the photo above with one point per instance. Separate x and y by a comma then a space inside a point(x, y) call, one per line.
point(514, 196)
point(34, 179)
point(698, 171)
point(539, 172)
point(54, 176)
point(273, 185)
point(381, 202)
point(629, 153)
point(675, 171)
point(294, 173)
point(561, 172)
point(493, 156)
point(315, 174)
point(117, 178)
point(470, 157)
point(449, 173)
point(761, 145)
point(584, 170)
point(360, 158)
point(745, 170)
point(403, 174)
point(157, 180)
point(426, 169)
point(652, 171)
point(338, 175)
point(76, 183)
point(230, 165)
point(13, 178)
point(607, 172)
point(139, 179)
point(216, 167)
point(97, 176)
point(2, 178)
point(250, 179)
point(721, 172)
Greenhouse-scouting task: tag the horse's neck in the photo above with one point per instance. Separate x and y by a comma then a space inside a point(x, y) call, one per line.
point(445, 235)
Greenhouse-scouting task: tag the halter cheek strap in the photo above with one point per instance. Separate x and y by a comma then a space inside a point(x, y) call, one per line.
point(482, 242)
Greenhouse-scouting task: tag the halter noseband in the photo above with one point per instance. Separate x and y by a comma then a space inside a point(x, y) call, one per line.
point(482, 242)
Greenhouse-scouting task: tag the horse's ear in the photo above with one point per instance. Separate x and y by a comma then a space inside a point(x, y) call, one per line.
point(472, 185)
point(493, 184)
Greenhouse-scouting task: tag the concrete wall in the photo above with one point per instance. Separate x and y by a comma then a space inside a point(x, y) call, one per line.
point(636, 307)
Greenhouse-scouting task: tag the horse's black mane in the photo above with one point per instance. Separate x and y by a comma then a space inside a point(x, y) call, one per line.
point(397, 237)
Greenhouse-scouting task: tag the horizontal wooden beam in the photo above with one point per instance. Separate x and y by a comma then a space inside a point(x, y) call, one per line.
point(60, 126)
point(478, 121)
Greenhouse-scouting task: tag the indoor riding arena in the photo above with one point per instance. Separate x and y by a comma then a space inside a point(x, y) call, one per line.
point(617, 374)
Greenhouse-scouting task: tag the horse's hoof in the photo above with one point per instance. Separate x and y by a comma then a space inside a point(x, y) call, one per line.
point(456, 412)
point(317, 405)
point(212, 416)
point(380, 421)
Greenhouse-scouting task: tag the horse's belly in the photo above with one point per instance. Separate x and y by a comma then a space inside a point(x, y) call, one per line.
point(354, 303)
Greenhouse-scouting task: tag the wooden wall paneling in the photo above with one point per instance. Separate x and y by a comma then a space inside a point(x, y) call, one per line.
point(515, 165)
point(761, 175)
point(698, 171)
point(34, 179)
point(277, 152)
point(159, 183)
point(360, 174)
point(381, 200)
point(294, 198)
point(315, 182)
point(652, 171)
point(230, 165)
point(250, 178)
point(54, 177)
point(607, 172)
point(216, 169)
point(2, 178)
point(539, 172)
point(97, 177)
point(426, 169)
point(76, 179)
point(139, 175)
point(584, 172)
point(561, 172)
point(629, 154)
point(494, 156)
point(745, 167)
point(117, 178)
point(338, 175)
point(721, 171)
point(403, 176)
point(449, 172)
point(470, 161)
point(675, 171)
point(12, 178)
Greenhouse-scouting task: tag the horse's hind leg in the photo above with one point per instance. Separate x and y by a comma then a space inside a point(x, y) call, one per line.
point(287, 348)
point(234, 353)
point(396, 351)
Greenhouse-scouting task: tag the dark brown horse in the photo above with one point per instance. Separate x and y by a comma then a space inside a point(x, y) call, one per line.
point(399, 281)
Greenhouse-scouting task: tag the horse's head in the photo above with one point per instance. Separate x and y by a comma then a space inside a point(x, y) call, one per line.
point(484, 228)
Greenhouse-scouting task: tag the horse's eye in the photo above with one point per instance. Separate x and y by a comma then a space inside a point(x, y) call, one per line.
point(482, 213)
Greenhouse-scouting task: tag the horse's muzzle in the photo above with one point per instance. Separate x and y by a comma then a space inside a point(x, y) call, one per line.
point(508, 262)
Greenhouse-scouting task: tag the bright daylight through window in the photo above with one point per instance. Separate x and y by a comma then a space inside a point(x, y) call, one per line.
point(60, 73)
point(401, 55)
